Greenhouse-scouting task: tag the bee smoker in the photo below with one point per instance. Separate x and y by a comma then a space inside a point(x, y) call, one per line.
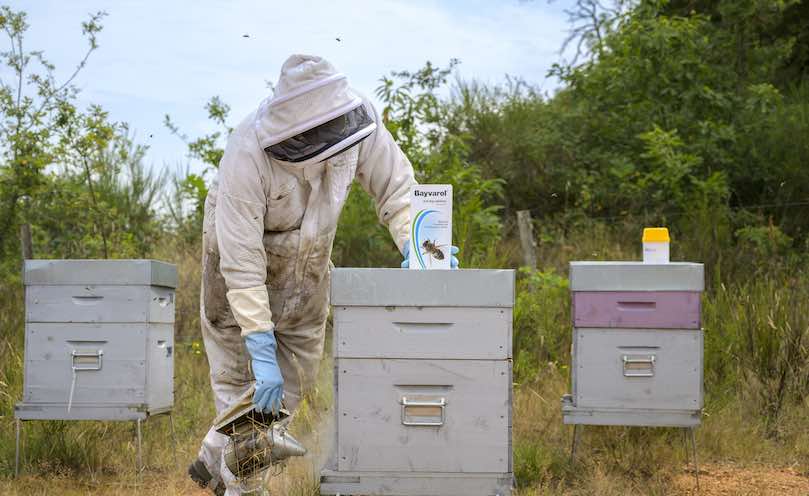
point(257, 441)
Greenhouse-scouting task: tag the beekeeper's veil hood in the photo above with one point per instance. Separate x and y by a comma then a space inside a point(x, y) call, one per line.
point(313, 113)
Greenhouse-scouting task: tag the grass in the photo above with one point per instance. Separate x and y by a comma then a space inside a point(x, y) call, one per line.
point(756, 414)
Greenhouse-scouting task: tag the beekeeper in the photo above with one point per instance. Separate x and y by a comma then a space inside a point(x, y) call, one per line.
point(269, 225)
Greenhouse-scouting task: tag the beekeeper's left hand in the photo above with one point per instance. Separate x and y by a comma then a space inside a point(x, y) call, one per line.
point(269, 381)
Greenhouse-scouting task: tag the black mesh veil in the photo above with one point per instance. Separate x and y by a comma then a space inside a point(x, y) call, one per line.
point(314, 141)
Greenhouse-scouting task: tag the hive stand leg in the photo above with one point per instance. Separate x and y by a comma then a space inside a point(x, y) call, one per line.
point(693, 433)
point(18, 427)
point(173, 439)
point(139, 453)
point(576, 438)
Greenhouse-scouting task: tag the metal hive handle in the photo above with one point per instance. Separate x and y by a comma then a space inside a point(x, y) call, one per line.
point(638, 366)
point(440, 403)
point(80, 360)
point(79, 363)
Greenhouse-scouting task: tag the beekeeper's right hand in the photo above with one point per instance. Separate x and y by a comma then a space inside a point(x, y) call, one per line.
point(269, 381)
point(453, 262)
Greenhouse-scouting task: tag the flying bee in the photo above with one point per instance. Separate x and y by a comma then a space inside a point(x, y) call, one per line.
point(432, 250)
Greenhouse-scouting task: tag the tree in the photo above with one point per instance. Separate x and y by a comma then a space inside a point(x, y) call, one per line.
point(35, 110)
point(191, 188)
point(591, 21)
point(75, 176)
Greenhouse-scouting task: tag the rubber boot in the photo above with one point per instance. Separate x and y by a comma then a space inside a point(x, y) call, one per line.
point(199, 474)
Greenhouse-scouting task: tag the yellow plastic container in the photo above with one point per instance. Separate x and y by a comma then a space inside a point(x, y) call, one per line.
point(656, 245)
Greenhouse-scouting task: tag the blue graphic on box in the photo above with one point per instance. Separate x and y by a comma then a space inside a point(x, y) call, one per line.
point(424, 245)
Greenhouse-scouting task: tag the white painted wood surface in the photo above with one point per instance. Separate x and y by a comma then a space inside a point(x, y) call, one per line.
point(136, 367)
point(99, 303)
point(639, 418)
point(426, 332)
point(636, 276)
point(441, 339)
point(140, 272)
point(415, 484)
point(475, 435)
point(599, 379)
point(422, 288)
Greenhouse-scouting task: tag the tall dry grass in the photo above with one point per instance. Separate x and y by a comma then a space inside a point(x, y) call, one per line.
point(757, 411)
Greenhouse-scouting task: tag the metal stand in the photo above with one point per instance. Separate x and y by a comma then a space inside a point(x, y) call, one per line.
point(18, 427)
point(576, 438)
point(693, 435)
point(139, 466)
point(173, 439)
point(690, 434)
point(138, 439)
point(139, 427)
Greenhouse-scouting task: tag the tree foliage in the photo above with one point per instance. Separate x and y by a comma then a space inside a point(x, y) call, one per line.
point(75, 176)
point(682, 118)
point(191, 189)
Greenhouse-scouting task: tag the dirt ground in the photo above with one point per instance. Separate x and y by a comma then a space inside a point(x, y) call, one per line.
point(727, 480)
point(715, 480)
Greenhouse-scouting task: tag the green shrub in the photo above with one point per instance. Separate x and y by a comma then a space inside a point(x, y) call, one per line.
point(541, 322)
point(756, 341)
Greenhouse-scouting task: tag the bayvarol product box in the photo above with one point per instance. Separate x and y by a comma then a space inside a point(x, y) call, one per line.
point(430, 226)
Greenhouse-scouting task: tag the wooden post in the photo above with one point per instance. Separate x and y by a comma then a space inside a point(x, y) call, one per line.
point(26, 242)
point(527, 241)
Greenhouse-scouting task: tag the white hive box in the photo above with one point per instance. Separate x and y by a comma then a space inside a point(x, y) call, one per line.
point(99, 337)
point(637, 351)
point(422, 383)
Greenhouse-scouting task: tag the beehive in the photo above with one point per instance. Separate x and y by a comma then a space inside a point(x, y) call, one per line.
point(637, 347)
point(422, 382)
point(99, 339)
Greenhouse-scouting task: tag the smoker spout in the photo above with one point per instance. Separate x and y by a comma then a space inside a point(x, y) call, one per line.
point(284, 445)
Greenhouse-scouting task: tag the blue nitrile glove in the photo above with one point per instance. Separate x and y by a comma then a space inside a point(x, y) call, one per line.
point(269, 381)
point(453, 250)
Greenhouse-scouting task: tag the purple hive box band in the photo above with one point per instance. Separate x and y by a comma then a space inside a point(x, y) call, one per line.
point(637, 309)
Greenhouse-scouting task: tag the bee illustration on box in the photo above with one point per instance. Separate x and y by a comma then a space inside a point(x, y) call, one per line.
point(430, 239)
point(432, 250)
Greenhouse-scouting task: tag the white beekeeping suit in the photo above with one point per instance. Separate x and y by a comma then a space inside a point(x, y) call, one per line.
point(269, 227)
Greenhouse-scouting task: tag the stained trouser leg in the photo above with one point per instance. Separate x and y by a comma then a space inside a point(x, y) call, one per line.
point(212, 450)
point(300, 351)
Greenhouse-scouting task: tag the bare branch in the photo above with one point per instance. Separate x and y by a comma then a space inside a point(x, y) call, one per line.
point(89, 28)
point(591, 21)
point(22, 68)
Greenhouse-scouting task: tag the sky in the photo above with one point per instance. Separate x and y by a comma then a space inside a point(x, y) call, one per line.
point(171, 56)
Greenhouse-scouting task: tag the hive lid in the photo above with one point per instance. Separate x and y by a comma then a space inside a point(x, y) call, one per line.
point(108, 272)
point(422, 288)
point(636, 276)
